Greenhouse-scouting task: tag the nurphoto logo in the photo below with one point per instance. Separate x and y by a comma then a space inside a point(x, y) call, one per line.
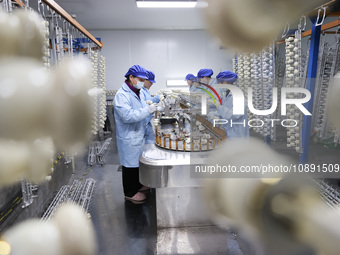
point(239, 105)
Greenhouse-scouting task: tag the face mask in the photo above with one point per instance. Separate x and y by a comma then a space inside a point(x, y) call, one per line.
point(139, 85)
point(204, 80)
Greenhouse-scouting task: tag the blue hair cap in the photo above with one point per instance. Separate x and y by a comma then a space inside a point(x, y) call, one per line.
point(138, 71)
point(151, 76)
point(190, 77)
point(204, 73)
point(227, 76)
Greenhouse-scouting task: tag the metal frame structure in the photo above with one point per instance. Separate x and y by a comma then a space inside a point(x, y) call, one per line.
point(315, 33)
point(52, 4)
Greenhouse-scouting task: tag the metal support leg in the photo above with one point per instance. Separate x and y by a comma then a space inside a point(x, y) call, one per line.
point(73, 165)
point(27, 193)
point(311, 79)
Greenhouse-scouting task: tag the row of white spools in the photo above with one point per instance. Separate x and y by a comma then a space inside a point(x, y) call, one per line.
point(243, 71)
point(46, 47)
point(256, 84)
point(294, 74)
point(102, 84)
point(268, 83)
point(257, 71)
point(99, 85)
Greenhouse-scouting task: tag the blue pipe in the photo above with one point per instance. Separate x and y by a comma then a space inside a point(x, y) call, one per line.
point(311, 80)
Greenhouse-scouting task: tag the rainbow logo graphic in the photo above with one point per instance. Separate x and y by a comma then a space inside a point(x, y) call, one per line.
point(211, 95)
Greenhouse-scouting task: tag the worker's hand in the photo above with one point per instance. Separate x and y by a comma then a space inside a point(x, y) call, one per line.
point(148, 102)
point(152, 108)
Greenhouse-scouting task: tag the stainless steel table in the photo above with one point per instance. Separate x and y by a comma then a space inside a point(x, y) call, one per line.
point(178, 195)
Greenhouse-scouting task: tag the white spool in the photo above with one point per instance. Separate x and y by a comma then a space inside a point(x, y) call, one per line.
point(76, 230)
point(32, 237)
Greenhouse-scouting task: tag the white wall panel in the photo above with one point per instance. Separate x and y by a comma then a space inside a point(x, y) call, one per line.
point(169, 54)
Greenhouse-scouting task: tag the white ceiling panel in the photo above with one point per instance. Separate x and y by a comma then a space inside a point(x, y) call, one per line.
point(124, 14)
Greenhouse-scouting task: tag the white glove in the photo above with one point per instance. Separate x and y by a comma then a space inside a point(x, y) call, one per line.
point(160, 108)
point(148, 102)
point(152, 108)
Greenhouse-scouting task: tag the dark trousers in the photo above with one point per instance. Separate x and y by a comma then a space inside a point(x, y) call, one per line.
point(131, 183)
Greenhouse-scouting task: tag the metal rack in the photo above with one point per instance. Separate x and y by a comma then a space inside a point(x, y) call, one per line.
point(66, 37)
point(67, 17)
point(62, 23)
point(75, 191)
point(104, 148)
point(257, 71)
point(61, 197)
point(329, 194)
point(27, 193)
point(91, 160)
point(97, 152)
point(315, 33)
point(315, 64)
point(328, 58)
point(78, 193)
point(317, 17)
point(86, 194)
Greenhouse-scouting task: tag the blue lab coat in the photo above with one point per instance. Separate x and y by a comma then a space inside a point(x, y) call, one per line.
point(130, 114)
point(193, 88)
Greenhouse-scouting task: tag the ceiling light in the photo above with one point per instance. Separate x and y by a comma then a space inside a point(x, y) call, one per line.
point(171, 83)
point(166, 4)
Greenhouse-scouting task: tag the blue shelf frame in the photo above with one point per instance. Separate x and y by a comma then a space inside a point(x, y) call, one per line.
point(311, 81)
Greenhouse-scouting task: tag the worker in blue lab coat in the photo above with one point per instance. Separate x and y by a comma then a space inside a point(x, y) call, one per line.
point(226, 110)
point(145, 96)
point(204, 76)
point(130, 114)
point(147, 85)
point(191, 79)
